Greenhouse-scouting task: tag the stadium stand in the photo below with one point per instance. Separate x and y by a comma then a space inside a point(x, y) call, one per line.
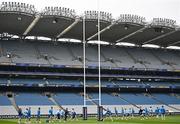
point(49, 73)
point(6, 106)
point(111, 57)
point(31, 99)
point(64, 98)
point(4, 101)
point(138, 99)
point(167, 98)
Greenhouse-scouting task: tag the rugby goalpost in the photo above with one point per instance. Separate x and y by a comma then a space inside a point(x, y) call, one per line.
point(99, 107)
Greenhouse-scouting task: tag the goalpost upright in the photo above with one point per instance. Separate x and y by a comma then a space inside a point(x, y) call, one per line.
point(84, 67)
point(100, 108)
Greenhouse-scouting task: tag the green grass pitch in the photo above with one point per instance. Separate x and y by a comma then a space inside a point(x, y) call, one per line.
point(136, 120)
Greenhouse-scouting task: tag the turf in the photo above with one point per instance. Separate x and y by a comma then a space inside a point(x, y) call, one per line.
point(137, 120)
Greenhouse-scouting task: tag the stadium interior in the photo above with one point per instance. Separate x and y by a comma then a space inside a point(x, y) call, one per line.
point(42, 73)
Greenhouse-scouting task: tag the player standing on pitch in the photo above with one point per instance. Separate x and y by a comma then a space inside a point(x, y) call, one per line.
point(29, 114)
point(66, 112)
point(157, 112)
point(26, 115)
point(51, 115)
point(163, 112)
point(38, 115)
point(20, 114)
point(73, 114)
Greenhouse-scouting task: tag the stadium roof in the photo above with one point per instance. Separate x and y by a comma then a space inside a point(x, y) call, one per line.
point(58, 22)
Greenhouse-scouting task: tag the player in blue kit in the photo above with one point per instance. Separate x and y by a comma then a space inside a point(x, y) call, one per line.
point(163, 112)
point(73, 114)
point(26, 115)
point(122, 113)
point(146, 113)
point(157, 112)
point(51, 114)
point(133, 112)
point(20, 115)
point(29, 114)
point(38, 115)
point(62, 113)
point(108, 114)
point(150, 112)
point(116, 112)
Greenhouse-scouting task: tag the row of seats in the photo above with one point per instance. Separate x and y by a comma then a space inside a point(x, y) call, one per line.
point(71, 54)
point(77, 99)
point(79, 82)
point(28, 81)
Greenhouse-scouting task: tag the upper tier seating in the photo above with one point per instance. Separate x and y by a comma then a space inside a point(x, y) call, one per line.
point(71, 55)
point(34, 81)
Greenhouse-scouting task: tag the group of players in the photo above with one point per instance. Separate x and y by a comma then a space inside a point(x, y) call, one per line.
point(130, 113)
point(61, 115)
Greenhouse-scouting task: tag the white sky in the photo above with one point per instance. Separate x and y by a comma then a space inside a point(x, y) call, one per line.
point(147, 8)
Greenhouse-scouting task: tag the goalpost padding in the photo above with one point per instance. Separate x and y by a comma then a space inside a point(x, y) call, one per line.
point(100, 113)
point(84, 113)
